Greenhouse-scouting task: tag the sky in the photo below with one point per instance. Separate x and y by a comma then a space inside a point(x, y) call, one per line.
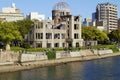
point(85, 8)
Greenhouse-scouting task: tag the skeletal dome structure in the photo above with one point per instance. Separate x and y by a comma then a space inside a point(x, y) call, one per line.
point(61, 6)
point(60, 9)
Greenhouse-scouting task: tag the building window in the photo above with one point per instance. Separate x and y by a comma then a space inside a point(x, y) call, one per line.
point(38, 25)
point(41, 25)
point(40, 35)
point(39, 45)
point(68, 26)
point(48, 35)
point(57, 36)
point(36, 35)
point(77, 44)
point(31, 42)
point(63, 44)
point(76, 36)
point(77, 19)
point(56, 45)
point(62, 36)
point(76, 27)
point(48, 45)
point(67, 13)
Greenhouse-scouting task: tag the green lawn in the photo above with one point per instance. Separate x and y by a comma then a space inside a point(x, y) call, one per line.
point(113, 47)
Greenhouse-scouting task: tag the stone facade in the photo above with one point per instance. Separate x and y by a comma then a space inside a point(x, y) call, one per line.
point(64, 30)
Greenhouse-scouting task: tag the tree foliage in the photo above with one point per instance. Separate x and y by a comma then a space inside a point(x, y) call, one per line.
point(91, 33)
point(14, 31)
point(115, 35)
point(24, 26)
point(9, 32)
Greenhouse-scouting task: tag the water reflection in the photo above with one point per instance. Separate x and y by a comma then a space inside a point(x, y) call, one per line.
point(105, 69)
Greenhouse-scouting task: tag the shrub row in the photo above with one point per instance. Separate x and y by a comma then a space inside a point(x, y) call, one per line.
point(113, 47)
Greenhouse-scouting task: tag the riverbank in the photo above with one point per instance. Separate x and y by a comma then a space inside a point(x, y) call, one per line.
point(43, 63)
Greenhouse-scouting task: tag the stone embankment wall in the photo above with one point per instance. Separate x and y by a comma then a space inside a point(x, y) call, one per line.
point(9, 57)
point(32, 57)
point(34, 60)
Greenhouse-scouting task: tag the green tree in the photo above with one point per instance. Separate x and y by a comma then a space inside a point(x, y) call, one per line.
point(91, 33)
point(115, 35)
point(24, 26)
point(8, 33)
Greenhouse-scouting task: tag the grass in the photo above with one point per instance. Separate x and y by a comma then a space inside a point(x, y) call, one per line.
point(113, 47)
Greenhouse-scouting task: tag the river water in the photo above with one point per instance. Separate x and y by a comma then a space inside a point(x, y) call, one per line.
point(103, 69)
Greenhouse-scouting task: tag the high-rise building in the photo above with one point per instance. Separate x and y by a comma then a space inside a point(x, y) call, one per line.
point(119, 23)
point(94, 16)
point(11, 13)
point(108, 12)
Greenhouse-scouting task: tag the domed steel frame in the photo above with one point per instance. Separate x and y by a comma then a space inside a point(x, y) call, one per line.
point(61, 6)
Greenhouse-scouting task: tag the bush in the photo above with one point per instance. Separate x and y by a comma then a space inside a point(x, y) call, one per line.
point(51, 54)
point(114, 49)
point(16, 48)
point(74, 49)
point(37, 49)
point(25, 45)
point(59, 49)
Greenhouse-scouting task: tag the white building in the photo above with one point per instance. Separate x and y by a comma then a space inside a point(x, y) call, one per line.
point(109, 12)
point(63, 31)
point(11, 13)
point(36, 15)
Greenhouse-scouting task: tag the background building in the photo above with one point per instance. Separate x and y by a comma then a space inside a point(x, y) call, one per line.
point(36, 15)
point(87, 22)
point(94, 16)
point(119, 23)
point(108, 12)
point(102, 25)
point(11, 13)
point(64, 30)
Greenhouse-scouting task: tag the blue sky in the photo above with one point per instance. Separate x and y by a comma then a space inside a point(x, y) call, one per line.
point(85, 8)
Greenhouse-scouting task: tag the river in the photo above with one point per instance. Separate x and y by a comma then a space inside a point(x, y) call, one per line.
point(103, 69)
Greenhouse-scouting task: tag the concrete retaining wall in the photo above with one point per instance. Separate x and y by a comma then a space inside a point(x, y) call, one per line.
point(86, 52)
point(58, 55)
point(27, 57)
point(41, 57)
point(75, 54)
point(32, 57)
point(15, 57)
point(108, 51)
point(9, 57)
point(62, 54)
